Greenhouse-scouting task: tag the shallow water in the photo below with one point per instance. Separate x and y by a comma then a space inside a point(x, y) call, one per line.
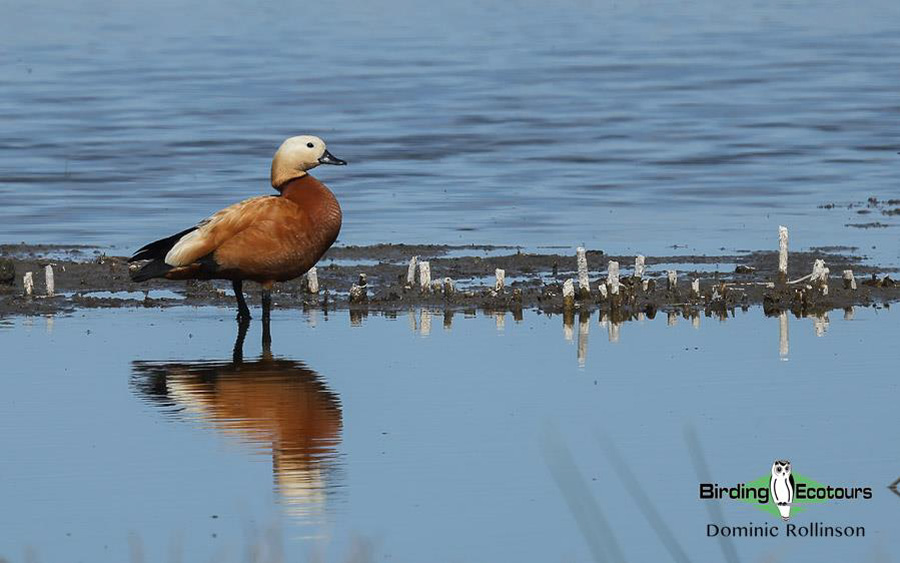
point(425, 437)
point(629, 126)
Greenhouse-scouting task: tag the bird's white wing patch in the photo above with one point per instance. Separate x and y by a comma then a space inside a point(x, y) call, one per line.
point(210, 233)
point(184, 250)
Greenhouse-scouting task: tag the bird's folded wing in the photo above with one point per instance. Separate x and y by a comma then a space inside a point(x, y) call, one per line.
point(218, 228)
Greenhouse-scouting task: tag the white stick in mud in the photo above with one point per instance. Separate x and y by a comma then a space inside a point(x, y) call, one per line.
point(569, 294)
point(639, 266)
point(500, 279)
point(411, 271)
point(28, 282)
point(603, 291)
point(312, 281)
point(48, 279)
point(820, 276)
point(672, 277)
point(449, 286)
point(782, 253)
point(695, 288)
point(849, 280)
point(612, 277)
point(424, 275)
point(584, 284)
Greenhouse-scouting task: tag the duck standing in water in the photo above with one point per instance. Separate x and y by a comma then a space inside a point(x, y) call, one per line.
point(265, 239)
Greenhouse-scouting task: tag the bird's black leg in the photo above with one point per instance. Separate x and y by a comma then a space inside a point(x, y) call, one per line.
point(266, 314)
point(243, 310)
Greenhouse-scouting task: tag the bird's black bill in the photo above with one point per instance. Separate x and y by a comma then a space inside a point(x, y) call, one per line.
point(329, 158)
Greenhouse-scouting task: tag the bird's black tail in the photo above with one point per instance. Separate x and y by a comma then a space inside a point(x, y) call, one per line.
point(159, 248)
point(155, 269)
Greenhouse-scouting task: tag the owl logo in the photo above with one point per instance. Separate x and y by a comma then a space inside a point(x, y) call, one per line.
point(782, 486)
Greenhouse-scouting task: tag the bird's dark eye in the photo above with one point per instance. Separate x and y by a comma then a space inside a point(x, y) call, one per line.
point(310, 145)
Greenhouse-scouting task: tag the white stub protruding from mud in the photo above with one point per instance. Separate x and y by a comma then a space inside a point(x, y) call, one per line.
point(584, 284)
point(672, 278)
point(449, 286)
point(312, 281)
point(499, 279)
point(783, 338)
point(782, 252)
point(424, 276)
point(603, 291)
point(48, 279)
point(612, 277)
point(639, 266)
point(849, 280)
point(411, 271)
point(645, 285)
point(28, 283)
point(819, 277)
point(569, 294)
point(695, 288)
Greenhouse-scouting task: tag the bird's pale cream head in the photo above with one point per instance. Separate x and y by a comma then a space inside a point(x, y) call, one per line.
point(297, 155)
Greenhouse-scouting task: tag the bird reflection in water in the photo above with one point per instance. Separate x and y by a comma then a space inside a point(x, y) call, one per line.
point(277, 405)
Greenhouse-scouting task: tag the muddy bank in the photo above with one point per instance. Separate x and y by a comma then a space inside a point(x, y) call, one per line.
point(85, 278)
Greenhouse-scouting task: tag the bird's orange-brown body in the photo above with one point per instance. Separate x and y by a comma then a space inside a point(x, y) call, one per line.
point(266, 239)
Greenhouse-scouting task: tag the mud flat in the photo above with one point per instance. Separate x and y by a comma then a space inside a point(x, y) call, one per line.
point(465, 277)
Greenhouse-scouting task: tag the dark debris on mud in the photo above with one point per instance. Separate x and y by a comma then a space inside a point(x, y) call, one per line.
point(533, 281)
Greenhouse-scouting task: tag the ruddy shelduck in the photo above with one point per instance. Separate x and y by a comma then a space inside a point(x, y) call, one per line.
point(265, 239)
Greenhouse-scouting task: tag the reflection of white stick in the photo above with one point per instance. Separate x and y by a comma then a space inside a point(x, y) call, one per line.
point(820, 323)
point(28, 282)
point(312, 281)
point(583, 329)
point(612, 277)
point(411, 271)
point(848, 314)
point(500, 281)
point(783, 338)
point(639, 266)
point(672, 277)
point(425, 325)
point(849, 281)
point(500, 320)
point(613, 328)
point(671, 318)
point(782, 252)
point(424, 275)
point(48, 279)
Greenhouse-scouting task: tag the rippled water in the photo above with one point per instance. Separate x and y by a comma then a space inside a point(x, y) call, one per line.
point(425, 435)
point(625, 126)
